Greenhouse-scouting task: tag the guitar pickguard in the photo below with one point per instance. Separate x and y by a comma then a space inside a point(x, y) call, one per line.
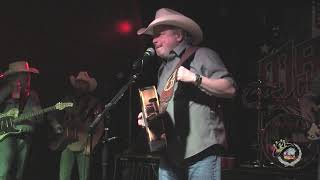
point(7, 126)
point(6, 121)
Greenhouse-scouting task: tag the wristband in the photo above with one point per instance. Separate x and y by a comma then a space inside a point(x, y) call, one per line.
point(198, 80)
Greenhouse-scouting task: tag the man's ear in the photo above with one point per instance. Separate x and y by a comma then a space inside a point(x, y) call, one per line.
point(180, 36)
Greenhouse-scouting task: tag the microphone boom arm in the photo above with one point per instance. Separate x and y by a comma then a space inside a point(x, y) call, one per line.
point(113, 101)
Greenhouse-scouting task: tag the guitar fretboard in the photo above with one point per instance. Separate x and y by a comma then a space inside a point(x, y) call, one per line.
point(33, 114)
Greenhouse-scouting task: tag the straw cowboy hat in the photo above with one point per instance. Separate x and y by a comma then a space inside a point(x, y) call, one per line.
point(166, 16)
point(84, 76)
point(20, 66)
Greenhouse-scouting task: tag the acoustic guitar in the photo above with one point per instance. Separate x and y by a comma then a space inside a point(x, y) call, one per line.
point(75, 137)
point(9, 119)
point(154, 122)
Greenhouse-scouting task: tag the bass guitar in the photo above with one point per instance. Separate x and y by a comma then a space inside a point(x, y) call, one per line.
point(9, 119)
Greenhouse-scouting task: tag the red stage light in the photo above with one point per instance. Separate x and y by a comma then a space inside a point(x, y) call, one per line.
point(124, 27)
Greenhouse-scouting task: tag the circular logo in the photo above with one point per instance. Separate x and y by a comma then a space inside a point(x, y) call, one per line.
point(287, 154)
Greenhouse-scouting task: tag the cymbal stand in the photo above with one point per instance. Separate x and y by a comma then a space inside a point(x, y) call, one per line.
point(260, 128)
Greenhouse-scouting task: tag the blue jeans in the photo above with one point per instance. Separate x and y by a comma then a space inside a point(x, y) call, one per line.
point(318, 168)
point(14, 152)
point(208, 168)
point(69, 159)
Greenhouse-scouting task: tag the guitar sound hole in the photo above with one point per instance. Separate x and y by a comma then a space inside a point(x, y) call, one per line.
point(152, 109)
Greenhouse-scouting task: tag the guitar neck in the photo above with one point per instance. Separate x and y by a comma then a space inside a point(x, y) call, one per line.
point(34, 114)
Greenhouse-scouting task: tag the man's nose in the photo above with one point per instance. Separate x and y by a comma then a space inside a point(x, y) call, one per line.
point(154, 40)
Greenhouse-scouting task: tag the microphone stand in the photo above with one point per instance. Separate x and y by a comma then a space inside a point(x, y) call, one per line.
point(106, 112)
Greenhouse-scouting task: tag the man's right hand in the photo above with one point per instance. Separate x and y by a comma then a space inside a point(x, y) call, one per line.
point(58, 129)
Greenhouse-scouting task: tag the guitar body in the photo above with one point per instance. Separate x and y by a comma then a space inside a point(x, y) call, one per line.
point(75, 135)
point(60, 142)
point(80, 142)
point(7, 127)
point(9, 119)
point(75, 140)
point(154, 123)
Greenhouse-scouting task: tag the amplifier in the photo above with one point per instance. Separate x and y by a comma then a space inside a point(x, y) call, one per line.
point(136, 167)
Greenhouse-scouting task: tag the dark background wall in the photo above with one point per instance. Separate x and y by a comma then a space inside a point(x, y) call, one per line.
point(63, 37)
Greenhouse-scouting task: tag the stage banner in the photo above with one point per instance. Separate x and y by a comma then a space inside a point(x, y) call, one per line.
point(285, 76)
point(276, 71)
point(306, 64)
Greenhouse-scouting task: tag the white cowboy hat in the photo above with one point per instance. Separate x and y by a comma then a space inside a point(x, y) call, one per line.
point(84, 76)
point(166, 16)
point(20, 66)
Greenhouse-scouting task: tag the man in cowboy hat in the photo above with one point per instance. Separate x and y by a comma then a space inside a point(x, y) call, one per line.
point(16, 93)
point(72, 126)
point(196, 131)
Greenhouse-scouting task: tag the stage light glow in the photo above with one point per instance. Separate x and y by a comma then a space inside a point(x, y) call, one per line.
point(124, 27)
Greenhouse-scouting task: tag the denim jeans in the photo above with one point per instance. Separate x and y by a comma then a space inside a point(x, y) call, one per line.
point(14, 152)
point(69, 159)
point(208, 168)
point(318, 175)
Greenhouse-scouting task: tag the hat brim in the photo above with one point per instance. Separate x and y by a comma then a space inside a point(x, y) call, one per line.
point(182, 22)
point(92, 82)
point(30, 70)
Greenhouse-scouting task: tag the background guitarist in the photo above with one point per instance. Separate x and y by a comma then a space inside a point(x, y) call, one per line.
point(309, 106)
point(15, 92)
point(72, 124)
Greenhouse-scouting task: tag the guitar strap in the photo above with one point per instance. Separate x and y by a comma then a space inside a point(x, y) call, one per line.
point(91, 107)
point(22, 103)
point(167, 92)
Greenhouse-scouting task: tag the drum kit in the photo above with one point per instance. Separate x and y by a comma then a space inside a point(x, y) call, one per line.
point(281, 131)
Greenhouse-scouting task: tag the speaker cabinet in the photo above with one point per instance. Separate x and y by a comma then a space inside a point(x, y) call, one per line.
point(136, 167)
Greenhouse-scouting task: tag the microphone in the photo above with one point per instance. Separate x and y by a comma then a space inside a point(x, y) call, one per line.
point(150, 52)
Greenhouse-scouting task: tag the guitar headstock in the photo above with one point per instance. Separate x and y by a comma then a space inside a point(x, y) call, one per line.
point(62, 105)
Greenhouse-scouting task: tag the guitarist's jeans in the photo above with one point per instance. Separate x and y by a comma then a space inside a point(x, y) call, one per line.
point(13, 155)
point(318, 167)
point(68, 160)
point(208, 168)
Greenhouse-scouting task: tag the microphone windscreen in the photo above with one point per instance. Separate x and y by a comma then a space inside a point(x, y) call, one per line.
point(150, 51)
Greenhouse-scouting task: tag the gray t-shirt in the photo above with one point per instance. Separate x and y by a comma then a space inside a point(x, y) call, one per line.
point(205, 126)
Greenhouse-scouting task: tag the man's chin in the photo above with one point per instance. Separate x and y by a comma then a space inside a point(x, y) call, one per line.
point(163, 55)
